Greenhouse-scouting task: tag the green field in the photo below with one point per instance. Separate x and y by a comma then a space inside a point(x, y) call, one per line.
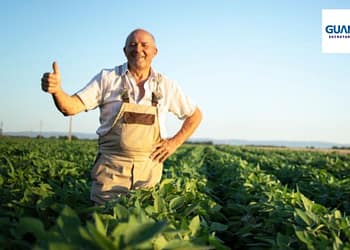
point(210, 197)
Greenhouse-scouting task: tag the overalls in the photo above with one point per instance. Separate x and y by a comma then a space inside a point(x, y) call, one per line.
point(123, 162)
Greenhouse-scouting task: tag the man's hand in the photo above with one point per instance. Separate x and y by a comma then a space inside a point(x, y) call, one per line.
point(51, 82)
point(163, 149)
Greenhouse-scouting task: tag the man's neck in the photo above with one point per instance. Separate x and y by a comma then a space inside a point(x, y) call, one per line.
point(140, 75)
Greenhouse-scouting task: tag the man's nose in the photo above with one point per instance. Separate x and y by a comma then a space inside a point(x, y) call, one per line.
point(139, 47)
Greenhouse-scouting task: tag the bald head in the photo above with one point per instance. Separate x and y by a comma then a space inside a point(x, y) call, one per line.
point(145, 32)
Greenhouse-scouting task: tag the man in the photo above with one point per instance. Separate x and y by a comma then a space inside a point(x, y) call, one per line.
point(133, 100)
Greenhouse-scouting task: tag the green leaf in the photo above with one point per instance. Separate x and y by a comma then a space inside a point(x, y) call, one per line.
point(69, 223)
point(160, 242)
point(176, 202)
point(97, 238)
point(307, 203)
point(165, 183)
point(118, 234)
point(282, 240)
point(304, 237)
point(195, 225)
point(301, 236)
point(85, 233)
point(337, 242)
point(139, 233)
point(158, 203)
point(217, 227)
point(120, 212)
point(61, 246)
point(183, 245)
point(304, 216)
point(337, 214)
point(149, 210)
point(31, 225)
point(101, 228)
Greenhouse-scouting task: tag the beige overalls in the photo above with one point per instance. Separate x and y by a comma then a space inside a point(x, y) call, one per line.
point(123, 162)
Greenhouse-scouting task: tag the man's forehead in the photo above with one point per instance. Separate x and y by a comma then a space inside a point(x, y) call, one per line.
point(140, 36)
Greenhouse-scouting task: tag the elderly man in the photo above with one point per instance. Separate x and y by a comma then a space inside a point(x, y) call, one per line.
point(133, 100)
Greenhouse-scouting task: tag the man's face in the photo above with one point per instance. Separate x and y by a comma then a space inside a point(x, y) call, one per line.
point(140, 49)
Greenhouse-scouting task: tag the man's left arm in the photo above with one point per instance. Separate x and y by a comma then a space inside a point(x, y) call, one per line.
point(165, 148)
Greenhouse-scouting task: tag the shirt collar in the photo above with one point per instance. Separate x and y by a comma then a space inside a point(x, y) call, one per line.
point(125, 70)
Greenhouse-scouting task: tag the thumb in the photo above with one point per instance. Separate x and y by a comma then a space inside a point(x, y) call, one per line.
point(55, 68)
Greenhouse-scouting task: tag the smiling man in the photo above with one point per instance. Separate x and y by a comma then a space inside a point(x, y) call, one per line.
point(133, 100)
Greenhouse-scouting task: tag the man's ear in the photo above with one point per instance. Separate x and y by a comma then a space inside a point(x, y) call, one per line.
point(124, 51)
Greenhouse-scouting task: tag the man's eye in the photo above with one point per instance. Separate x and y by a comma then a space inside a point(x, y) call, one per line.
point(144, 45)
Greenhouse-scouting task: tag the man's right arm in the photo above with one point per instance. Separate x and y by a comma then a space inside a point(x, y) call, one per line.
point(66, 104)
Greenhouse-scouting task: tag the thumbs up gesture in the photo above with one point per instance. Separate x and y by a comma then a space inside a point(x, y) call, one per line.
point(51, 82)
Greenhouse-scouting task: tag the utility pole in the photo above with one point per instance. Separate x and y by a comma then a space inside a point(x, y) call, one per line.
point(40, 130)
point(70, 129)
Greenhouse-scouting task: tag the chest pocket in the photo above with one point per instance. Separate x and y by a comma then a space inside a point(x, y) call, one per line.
point(138, 118)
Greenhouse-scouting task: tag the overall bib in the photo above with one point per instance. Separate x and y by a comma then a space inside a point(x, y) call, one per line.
point(123, 162)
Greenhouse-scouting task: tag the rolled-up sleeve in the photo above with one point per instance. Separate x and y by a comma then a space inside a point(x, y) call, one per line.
point(91, 94)
point(178, 103)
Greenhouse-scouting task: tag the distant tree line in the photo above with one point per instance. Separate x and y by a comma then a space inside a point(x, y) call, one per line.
point(264, 146)
point(200, 142)
point(61, 137)
point(342, 147)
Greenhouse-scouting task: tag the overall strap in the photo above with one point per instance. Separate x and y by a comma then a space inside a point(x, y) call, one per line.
point(124, 93)
point(157, 94)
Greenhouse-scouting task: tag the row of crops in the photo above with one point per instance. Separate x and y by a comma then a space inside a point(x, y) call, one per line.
point(210, 197)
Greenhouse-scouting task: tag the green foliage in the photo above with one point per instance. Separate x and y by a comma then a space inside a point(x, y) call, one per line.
point(210, 197)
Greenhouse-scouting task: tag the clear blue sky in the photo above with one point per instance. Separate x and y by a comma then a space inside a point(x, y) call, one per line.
point(255, 68)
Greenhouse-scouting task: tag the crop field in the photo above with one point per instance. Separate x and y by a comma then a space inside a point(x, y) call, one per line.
point(210, 197)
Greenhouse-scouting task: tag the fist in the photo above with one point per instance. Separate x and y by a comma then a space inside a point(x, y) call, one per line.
point(51, 82)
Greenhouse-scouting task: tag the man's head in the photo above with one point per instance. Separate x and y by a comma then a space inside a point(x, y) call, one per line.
point(140, 49)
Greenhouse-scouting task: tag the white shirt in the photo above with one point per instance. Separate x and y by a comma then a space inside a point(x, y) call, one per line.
point(105, 89)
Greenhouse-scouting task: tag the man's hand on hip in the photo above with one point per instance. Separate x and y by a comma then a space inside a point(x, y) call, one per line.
point(163, 149)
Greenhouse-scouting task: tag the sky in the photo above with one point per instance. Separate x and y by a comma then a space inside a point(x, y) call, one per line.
point(254, 68)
